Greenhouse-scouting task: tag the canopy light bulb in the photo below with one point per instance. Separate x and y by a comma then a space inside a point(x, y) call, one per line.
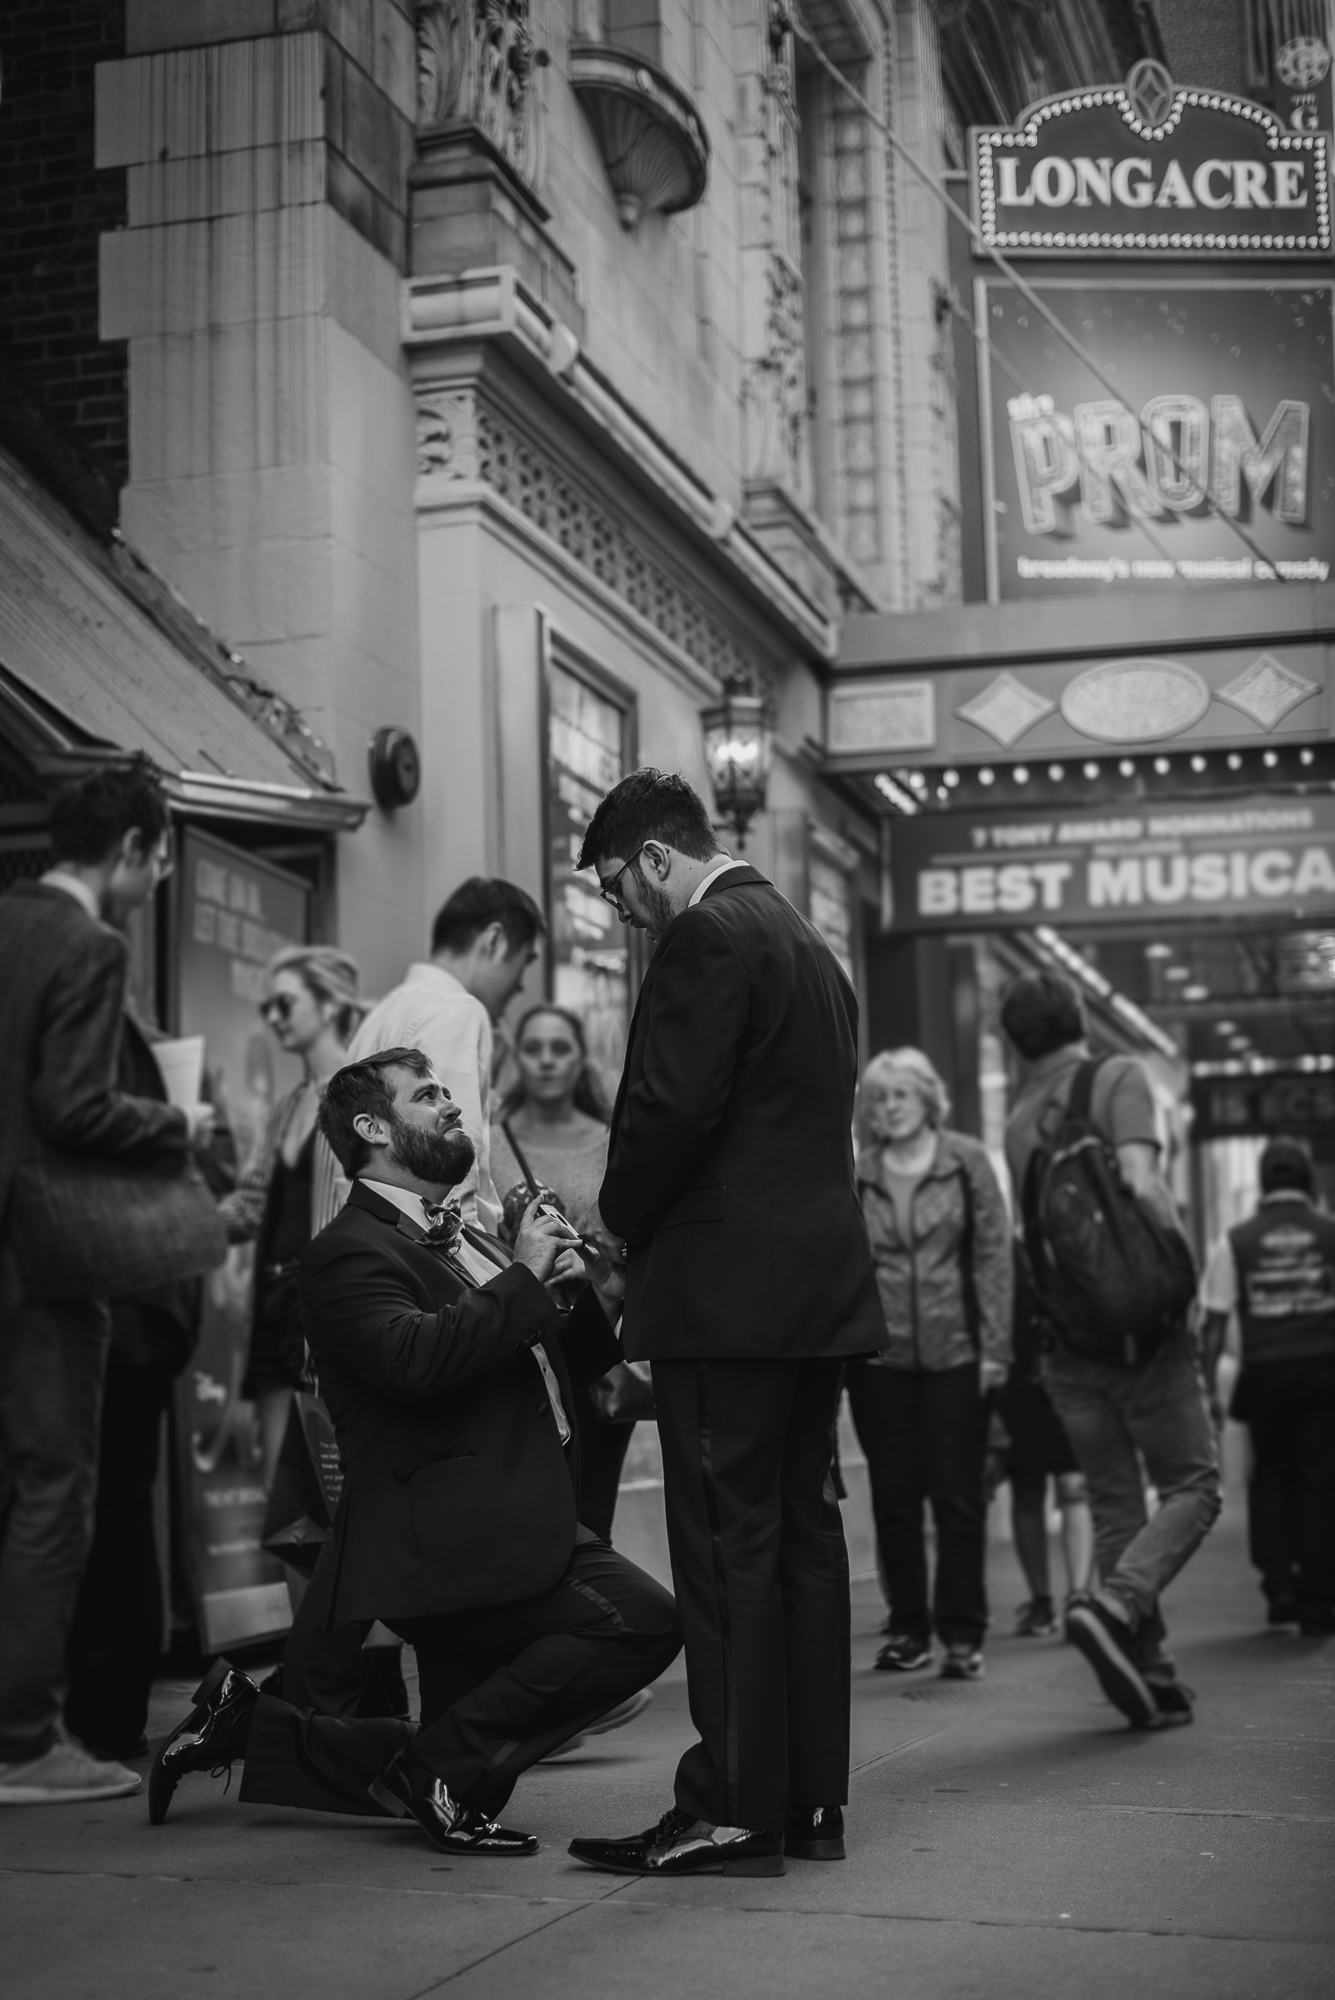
point(1091, 770)
point(1198, 765)
point(1162, 766)
point(1021, 774)
point(1127, 768)
point(1270, 758)
point(1234, 761)
point(1307, 756)
point(986, 775)
point(1056, 772)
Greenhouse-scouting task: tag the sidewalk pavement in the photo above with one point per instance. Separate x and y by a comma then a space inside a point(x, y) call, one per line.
point(1011, 1839)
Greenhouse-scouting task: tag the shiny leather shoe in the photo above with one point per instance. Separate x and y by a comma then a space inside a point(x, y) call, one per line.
point(814, 1833)
point(212, 1737)
point(680, 1845)
point(403, 1788)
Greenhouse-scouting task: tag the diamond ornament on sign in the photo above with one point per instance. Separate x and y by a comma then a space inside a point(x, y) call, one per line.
point(1266, 691)
point(1005, 709)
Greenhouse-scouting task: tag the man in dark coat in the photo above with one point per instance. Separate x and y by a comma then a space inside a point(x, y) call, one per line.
point(447, 1370)
point(61, 1005)
point(748, 1283)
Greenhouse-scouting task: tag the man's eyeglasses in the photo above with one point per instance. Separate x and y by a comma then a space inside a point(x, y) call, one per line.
point(277, 1009)
point(611, 891)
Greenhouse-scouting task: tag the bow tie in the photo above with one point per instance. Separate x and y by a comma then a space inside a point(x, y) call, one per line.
point(444, 1223)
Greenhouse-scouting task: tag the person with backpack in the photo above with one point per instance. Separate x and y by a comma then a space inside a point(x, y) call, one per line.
point(1115, 1277)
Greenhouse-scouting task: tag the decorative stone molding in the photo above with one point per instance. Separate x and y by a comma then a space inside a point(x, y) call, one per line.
point(461, 436)
point(774, 379)
point(652, 143)
point(493, 304)
point(475, 67)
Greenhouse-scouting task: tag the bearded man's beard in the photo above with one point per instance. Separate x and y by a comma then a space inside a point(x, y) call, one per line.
point(442, 1158)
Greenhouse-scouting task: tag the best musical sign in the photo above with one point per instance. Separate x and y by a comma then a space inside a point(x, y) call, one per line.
point(1086, 173)
point(1231, 858)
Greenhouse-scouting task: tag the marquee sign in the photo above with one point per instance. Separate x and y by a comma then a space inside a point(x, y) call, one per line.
point(1164, 170)
point(1227, 415)
point(1229, 858)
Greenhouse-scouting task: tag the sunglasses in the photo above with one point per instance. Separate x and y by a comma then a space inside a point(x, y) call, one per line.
point(277, 1008)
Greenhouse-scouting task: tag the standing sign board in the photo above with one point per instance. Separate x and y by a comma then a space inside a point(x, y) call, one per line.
point(235, 912)
point(587, 753)
point(1245, 857)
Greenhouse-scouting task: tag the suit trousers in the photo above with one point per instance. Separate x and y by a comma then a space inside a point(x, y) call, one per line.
point(760, 1572)
point(116, 1638)
point(502, 1686)
point(52, 1359)
point(506, 1684)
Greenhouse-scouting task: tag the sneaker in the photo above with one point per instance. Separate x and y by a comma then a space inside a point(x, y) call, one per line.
point(1036, 1620)
point(963, 1663)
point(903, 1654)
point(1107, 1642)
point(1174, 1702)
point(64, 1775)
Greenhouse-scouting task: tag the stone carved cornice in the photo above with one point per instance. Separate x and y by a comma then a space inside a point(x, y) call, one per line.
point(455, 442)
point(475, 67)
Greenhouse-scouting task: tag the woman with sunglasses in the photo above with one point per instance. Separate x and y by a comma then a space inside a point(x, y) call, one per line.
point(291, 1189)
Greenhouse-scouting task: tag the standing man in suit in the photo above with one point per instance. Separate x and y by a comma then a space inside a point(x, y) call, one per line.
point(748, 1283)
point(61, 1004)
point(447, 1370)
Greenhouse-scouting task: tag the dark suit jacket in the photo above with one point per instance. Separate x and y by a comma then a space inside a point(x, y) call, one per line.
point(730, 1167)
point(61, 1001)
point(456, 1491)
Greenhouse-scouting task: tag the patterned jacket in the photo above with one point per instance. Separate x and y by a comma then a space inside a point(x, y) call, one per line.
point(243, 1209)
point(938, 1316)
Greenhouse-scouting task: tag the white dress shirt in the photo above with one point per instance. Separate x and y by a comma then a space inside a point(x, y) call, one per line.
point(481, 1267)
point(721, 868)
point(433, 1012)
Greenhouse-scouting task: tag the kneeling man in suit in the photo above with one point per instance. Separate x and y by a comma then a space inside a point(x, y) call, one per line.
point(448, 1373)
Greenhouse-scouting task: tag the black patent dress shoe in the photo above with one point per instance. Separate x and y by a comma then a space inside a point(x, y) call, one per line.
point(405, 1788)
point(814, 1833)
point(681, 1845)
point(212, 1737)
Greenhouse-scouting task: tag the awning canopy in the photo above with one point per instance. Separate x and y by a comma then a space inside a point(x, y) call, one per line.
point(98, 658)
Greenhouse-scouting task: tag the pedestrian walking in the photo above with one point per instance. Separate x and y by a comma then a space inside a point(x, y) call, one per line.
point(1277, 1273)
point(551, 1132)
point(292, 1187)
point(1125, 1379)
point(749, 1283)
point(940, 1242)
point(483, 941)
point(61, 1110)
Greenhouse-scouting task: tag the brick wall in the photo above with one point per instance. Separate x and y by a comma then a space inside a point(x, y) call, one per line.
point(54, 371)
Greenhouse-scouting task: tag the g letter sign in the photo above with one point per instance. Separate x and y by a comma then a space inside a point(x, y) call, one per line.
point(1216, 176)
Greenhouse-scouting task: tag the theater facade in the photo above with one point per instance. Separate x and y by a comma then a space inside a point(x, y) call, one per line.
point(1116, 757)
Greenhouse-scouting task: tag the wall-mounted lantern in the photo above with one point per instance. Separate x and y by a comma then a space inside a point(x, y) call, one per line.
point(737, 753)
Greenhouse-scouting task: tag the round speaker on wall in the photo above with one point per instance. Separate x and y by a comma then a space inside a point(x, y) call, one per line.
point(396, 769)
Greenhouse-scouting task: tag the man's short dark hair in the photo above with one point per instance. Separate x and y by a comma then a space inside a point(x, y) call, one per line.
point(91, 817)
point(361, 1087)
point(649, 805)
point(1286, 1163)
point(1042, 1012)
point(483, 900)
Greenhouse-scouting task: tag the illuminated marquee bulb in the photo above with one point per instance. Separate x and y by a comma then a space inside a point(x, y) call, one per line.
point(1234, 761)
point(1162, 766)
point(987, 775)
point(1270, 758)
point(1198, 765)
point(1021, 774)
point(1307, 756)
point(1127, 768)
point(1056, 772)
point(1091, 770)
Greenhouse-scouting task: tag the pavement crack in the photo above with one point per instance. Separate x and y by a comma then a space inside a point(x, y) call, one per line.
point(485, 1957)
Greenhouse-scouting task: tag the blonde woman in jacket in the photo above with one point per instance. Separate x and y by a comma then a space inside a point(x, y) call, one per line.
point(940, 1241)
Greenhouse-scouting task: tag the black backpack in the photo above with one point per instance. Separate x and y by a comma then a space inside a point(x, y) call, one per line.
point(1116, 1280)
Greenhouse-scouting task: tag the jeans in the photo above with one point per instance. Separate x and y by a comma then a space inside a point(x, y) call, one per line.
point(925, 1434)
point(52, 1358)
point(1110, 1414)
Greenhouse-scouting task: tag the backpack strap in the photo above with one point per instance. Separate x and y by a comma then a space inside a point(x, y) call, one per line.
point(518, 1152)
point(1082, 1089)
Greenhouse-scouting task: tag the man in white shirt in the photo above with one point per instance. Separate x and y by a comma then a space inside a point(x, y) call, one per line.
point(482, 943)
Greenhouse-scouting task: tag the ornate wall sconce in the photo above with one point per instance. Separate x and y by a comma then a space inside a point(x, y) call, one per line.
point(738, 741)
point(653, 145)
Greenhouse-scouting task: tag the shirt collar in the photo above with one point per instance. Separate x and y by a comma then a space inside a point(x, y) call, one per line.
point(403, 1199)
point(70, 885)
point(426, 973)
point(720, 869)
point(1288, 1194)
